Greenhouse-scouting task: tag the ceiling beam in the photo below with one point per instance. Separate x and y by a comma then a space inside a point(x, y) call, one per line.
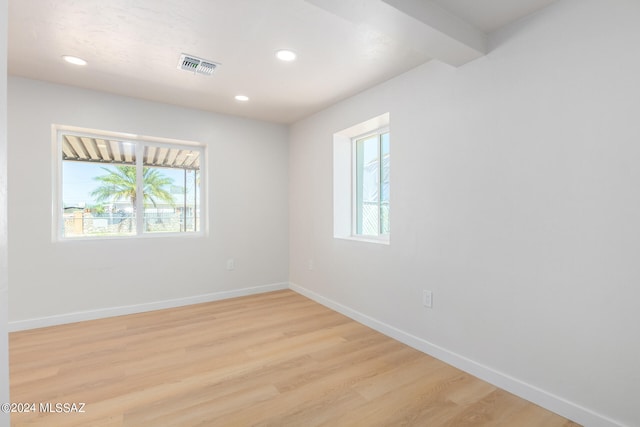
point(421, 24)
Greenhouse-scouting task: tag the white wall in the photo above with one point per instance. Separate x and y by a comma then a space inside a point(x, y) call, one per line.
point(4, 277)
point(248, 217)
point(514, 199)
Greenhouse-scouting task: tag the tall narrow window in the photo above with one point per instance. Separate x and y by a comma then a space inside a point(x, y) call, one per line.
point(114, 186)
point(371, 184)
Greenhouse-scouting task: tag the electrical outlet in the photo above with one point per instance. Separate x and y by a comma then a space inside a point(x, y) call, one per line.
point(310, 264)
point(427, 298)
point(231, 264)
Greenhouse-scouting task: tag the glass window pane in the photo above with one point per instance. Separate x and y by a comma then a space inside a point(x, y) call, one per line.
point(385, 187)
point(171, 190)
point(100, 183)
point(367, 186)
point(98, 199)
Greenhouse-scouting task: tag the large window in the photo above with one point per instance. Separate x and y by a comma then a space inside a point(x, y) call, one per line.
point(371, 184)
point(110, 185)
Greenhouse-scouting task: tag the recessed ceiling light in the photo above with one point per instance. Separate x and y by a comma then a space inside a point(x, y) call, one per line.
point(286, 55)
point(74, 60)
point(242, 98)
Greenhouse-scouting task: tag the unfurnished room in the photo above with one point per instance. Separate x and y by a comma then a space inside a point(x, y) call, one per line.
point(320, 213)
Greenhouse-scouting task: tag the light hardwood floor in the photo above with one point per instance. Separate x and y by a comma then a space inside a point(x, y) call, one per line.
point(276, 359)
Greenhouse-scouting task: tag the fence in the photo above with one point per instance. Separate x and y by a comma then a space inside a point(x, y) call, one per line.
point(78, 224)
point(371, 213)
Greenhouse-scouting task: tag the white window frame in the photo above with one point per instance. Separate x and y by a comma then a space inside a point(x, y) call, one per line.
point(344, 185)
point(139, 141)
point(354, 181)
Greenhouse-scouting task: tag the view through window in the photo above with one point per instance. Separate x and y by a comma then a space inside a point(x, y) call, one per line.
point(119, 187)
point(372, 157)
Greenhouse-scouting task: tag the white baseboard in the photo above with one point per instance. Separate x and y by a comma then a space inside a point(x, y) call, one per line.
point(513, 385)
point(80, 316)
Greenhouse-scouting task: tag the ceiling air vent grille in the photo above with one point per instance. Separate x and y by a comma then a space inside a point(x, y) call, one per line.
point(197, 65)
point(206, 68)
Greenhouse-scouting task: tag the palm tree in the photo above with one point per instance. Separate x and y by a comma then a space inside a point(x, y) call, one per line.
point(120, 184)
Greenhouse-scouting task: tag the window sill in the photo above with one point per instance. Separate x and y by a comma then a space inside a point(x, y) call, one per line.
point(157, 235)
point(382, 240)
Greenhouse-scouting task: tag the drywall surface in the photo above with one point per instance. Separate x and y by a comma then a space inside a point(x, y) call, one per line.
point(247, 215)
point(514, 199)
point(4, 276)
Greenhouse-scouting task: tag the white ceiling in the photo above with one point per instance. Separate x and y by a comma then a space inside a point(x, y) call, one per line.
point(343, 46)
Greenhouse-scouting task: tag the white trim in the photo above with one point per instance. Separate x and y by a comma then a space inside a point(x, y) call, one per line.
point(80, 316)
point(370, 133)
point(379, 122)
point(153, 235)
point(57, 205)
point(139, 208)
point(383, 239)
point(513, 385)
point(130, 137)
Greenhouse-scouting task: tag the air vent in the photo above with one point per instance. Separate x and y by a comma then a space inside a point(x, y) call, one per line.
point(206, 68)
point(197, 65)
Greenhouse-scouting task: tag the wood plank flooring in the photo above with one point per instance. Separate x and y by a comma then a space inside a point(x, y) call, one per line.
point(276, 359)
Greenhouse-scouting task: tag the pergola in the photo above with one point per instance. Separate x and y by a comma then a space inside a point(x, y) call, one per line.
point(88, 149)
